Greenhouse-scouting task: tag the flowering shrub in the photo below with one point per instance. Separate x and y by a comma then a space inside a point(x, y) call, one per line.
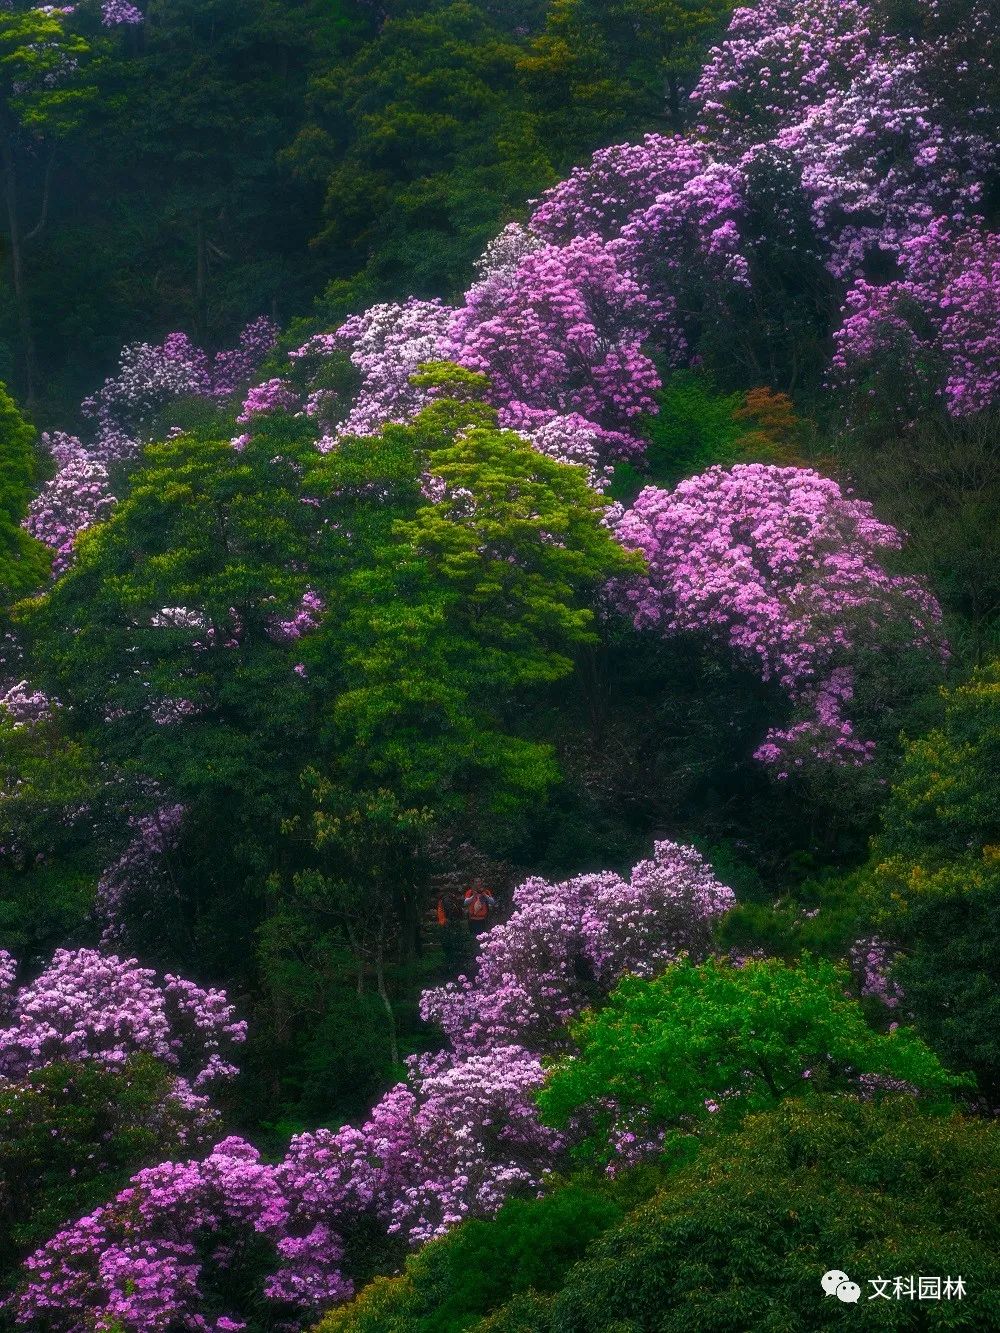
point(778, 59)
point(879, 163)
point(124, 410)
point(386, 345)
point(932, 332)
point(267, 397)
point(566, 944)
point(139, 1263)
point(783, 569)
point(860, 112)
point(687, 252)
point(455, 1140)
point(91, 1006)
point(77, 497)
point(116, 13)
point(871, 960)
point(563, 334)
point(600, 198)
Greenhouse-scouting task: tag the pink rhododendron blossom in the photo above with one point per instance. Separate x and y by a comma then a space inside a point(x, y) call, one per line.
point(272, 395)
point(116, 13)
point(783, 569)
point(933, 332)
point(91, 1006)
point(871, 961)
point(139, 1263)
point(567, 943)
point(562, 333)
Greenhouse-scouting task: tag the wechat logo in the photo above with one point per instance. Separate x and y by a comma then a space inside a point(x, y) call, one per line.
point(836, 1283)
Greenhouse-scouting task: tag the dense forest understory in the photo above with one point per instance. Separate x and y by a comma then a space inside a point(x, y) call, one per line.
point(500, 666)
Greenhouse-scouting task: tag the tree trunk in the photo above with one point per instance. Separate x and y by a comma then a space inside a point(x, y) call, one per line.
point(384, 997)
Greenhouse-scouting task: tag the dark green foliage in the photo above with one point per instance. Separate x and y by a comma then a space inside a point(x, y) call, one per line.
point(935, 879)
point(738, 1237)
point(24, 562)
point(741, 1238)
point(697, 427)
point(53, 799)
point(167, 205)
point(527, 1249)
point(940, 483)
point(603, 71)
point(70, 1136)
point(423, 145)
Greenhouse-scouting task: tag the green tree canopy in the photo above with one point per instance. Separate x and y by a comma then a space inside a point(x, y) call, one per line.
point(24, 562)
point(737, 1237)
point(935, 879)
point(711, 1043)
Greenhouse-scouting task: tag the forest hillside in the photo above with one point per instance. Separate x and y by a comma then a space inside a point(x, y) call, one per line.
point(499, 666)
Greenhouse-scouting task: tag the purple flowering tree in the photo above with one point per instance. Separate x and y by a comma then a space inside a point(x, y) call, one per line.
point(94, 1008)
point(560, 333)
point(785, 571)
point(87, 1005)
point(460, 1136)
point(147, 1260)
point(930, 335)
point(124, 411)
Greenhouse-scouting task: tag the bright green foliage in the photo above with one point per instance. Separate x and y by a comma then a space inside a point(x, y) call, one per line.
point(461, 607)
point(936, 879)
point(39, 55)
point(24, 562)
point(423, 145)
point(715, 1042)
point(72, 1135)
point(225, 535)
point(697, 427)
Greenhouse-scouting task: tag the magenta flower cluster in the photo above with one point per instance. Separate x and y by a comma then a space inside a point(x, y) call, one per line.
point(87, 1005)
point(270, 396)
point(77, 497)
point(124, 411)
point(933, 332)
point(460, 1136)
point(141, 1263)
point(871, 962)
point(119, 13)
point(783, 569)
point(568, 943)
point(306, 618)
